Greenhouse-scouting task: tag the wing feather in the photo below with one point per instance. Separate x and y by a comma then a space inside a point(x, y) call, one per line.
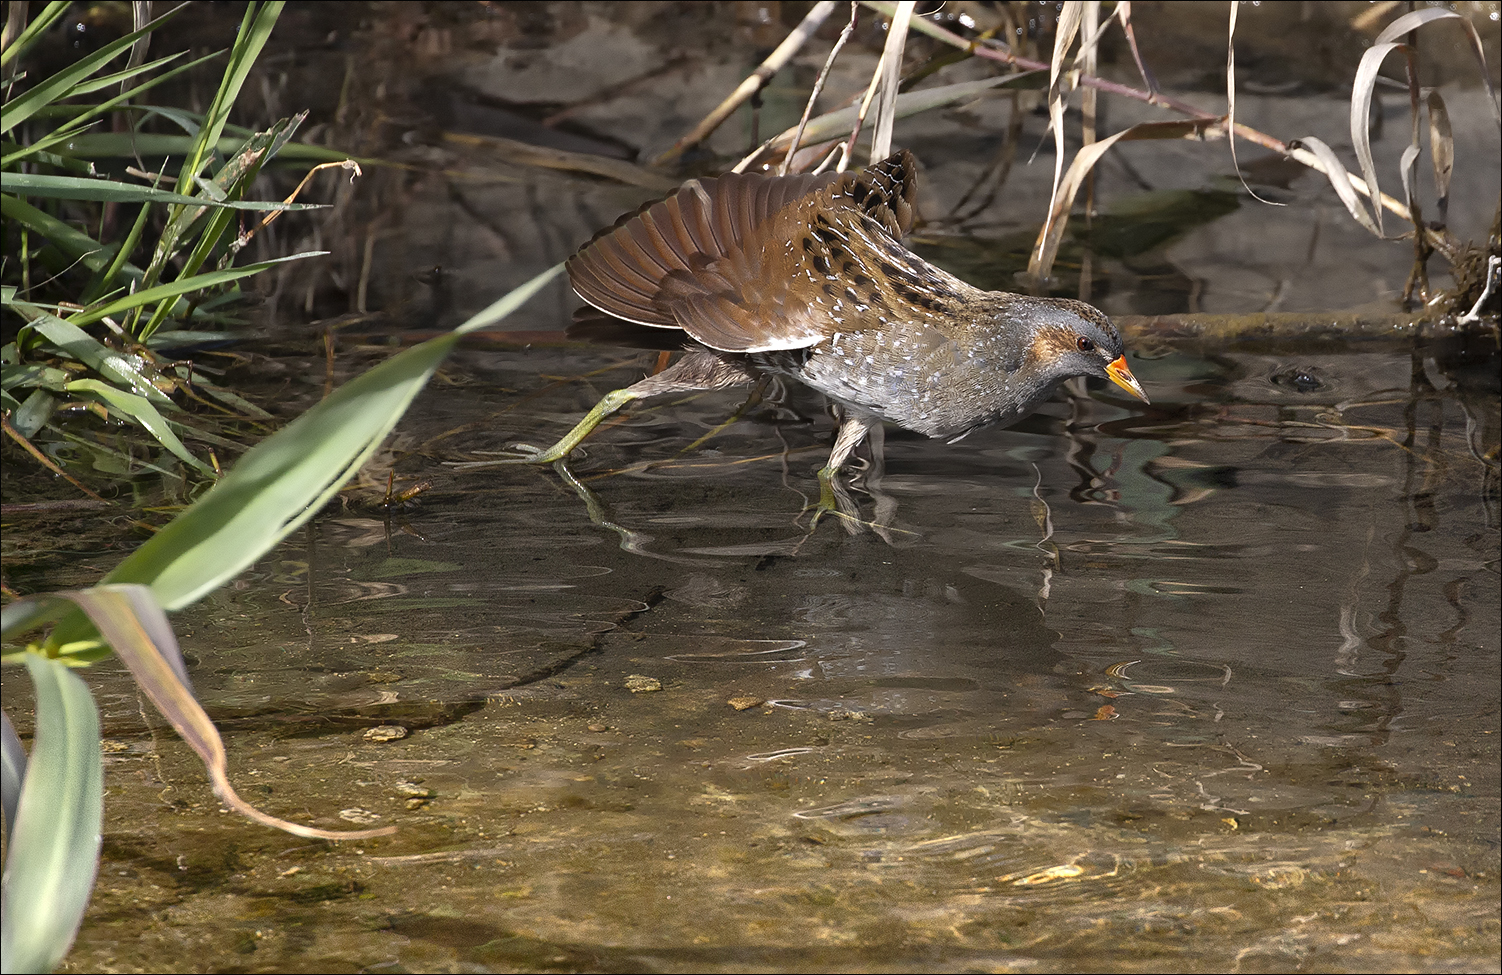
point(721, 258)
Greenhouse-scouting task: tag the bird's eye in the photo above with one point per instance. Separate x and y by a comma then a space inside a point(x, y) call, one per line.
point(1084, 344)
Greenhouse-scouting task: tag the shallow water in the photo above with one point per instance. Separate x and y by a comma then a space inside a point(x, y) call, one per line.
point(1206, 685)
point(1210, 685)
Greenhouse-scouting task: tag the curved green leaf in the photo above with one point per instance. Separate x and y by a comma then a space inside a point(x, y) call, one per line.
point(284, 480)
point(118, 367)
point(12, 772)
point(113, 191)
point(65, 82)
point(179, 287)
point(138, 408)
point(255, 28)
point(104, 145)
point(53, 856)
point(35, 29)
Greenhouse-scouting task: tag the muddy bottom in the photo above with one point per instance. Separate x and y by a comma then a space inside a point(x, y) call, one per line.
point(1210, 685)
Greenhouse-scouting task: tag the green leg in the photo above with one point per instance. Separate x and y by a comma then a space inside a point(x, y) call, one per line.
point(699, 370)
point(853, 430)
point(827, 500)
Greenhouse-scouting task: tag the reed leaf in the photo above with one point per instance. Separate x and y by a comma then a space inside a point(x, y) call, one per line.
point(53, 853)
point(286, 479)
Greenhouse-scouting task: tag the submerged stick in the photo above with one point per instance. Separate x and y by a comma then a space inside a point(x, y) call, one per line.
point(1288, 327)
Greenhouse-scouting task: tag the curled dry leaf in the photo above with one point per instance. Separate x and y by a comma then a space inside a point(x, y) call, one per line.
point(1361, 109)
point(1419, 18)
point(1441, 151)
point(135, 626)
point(1047, 247)
point(1441, 144)
point(1231, 106)
point(1340, 178)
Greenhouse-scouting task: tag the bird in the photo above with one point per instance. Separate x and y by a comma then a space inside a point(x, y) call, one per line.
point(806, 277)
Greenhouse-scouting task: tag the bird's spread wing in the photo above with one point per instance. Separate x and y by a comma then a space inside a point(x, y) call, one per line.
point(747, 263)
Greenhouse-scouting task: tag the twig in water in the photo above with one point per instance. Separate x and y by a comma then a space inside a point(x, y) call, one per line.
point(43, 459)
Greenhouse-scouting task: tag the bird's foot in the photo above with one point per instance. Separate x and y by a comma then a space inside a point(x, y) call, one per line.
point(514, 453)
point(835, 499)
point(520, 453)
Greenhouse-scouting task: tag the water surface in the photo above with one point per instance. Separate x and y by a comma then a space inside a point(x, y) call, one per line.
point(1211, 685)
point(1206, 685)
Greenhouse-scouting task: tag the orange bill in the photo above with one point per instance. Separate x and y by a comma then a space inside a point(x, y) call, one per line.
point(1121, 375)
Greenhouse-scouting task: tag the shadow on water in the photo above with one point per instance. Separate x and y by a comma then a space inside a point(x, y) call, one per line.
point(1210, 684)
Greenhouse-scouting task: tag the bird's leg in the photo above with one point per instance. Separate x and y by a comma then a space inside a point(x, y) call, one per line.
point(613, 400)
point(853, 429)
point(886, 505)
point(698, 370)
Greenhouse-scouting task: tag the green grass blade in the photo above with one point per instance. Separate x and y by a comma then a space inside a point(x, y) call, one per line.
point(75, 126)
point(33, 30)
point(120, 368)
point(181, 286)
point(12, 772)
point(254, 31)
point(255, 28)
point(112, 191)
point(65, 82)
point(37, 152)
point(33, 414)
point(223, 394)
point(27, 614)
point(138, 408)
point(73, 243)
point(151, 145)
point(98, 84)
point(54, 854)
point(104, 280)
point(32, 377)
point(231, 180)
point(284, 480)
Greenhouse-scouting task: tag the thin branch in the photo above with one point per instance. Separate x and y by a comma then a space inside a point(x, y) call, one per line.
point(774, 63)
point(819, 87)
point(44, 460)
